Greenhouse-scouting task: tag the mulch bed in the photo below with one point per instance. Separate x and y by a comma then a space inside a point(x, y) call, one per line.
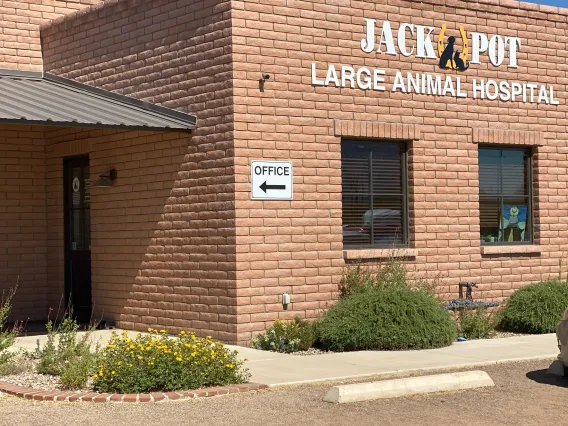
point(70, 396)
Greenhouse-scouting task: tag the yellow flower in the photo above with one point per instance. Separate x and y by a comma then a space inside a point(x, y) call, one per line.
point(111, 346)
point(162, 331)
point(229, 365)
point(119, 363)
point(139, 357)
point(113, 372)
point(182, 332)
point(95, 376)
point(193, 353)
point(178, 359)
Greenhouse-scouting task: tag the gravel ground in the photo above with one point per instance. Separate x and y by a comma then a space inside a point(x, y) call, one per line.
point(523, 395)
point(34, 380)
point(29, 378)
point(41, 382)
point(501, 334)
point(311, 351)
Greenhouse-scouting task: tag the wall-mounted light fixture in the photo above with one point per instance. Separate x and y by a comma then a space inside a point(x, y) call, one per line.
point(106, 180)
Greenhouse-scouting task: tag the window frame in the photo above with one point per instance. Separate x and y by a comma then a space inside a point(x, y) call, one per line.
point(530, 220)
point(405, 190)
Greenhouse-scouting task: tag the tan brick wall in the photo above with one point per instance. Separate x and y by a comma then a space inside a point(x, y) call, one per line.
point(176, 54)
point(208, 61)
point(20, 45)
point(128, 221)
point(297, 246)
point(22, 219)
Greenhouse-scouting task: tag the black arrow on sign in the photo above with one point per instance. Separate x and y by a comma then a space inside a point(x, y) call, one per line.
point(264, 187)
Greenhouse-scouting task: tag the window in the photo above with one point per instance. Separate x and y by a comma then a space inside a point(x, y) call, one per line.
point(374, 194)
point(505, 195)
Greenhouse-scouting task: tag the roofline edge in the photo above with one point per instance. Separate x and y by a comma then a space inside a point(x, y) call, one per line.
point(190, 119)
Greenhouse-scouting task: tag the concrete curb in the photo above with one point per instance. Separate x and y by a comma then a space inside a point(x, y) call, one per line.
point(411, 371)
point(409, 386)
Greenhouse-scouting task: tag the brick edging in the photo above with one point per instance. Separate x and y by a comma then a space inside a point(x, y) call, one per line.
point(70, 396)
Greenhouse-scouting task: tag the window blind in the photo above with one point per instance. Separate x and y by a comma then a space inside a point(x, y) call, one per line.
point(373, 193)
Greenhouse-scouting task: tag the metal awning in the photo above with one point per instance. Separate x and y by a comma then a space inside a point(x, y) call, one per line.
point(45, 99)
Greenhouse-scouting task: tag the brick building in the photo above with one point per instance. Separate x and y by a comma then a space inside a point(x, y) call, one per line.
point(432, 130)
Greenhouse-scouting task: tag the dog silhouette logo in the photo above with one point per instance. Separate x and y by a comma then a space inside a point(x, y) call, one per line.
point(450, 58)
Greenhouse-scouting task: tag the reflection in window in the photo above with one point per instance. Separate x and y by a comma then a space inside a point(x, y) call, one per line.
point(504, 195)
point(373, 193)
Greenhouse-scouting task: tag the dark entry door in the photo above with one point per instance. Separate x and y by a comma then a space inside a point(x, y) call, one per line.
point(78, 237)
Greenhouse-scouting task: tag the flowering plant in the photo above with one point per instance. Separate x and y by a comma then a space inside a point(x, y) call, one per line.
point(286, 336)
point(156, 362)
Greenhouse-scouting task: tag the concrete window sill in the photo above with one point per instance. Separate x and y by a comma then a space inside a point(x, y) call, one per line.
point(378, 253)
point(513, 249)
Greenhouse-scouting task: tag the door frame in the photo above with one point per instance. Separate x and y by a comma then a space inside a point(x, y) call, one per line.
point(68, 163)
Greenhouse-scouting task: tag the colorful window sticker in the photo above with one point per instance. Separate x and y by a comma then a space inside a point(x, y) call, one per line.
point(513, 223)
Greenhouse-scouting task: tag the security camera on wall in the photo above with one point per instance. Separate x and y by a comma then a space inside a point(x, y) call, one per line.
point(264, 76)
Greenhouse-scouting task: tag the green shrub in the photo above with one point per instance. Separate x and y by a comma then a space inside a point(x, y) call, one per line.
point(476, 324)
point(77, 371)
point(355, 278)
point(156, 362)
point(7, 337)
point(359, 277)
point(62, 346)
point(286, 336)
point(17, 365)
point(386, 317)
point(536, 308)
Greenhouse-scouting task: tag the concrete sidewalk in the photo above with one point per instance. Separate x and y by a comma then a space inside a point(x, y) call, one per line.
point(276, 369)
point(279, 369)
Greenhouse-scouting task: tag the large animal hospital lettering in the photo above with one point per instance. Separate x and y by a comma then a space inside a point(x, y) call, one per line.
point(418, 41)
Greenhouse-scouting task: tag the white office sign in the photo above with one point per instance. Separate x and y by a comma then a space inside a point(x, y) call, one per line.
point(272, 180)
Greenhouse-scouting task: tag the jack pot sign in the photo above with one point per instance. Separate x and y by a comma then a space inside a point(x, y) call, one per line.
point(457, 52)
